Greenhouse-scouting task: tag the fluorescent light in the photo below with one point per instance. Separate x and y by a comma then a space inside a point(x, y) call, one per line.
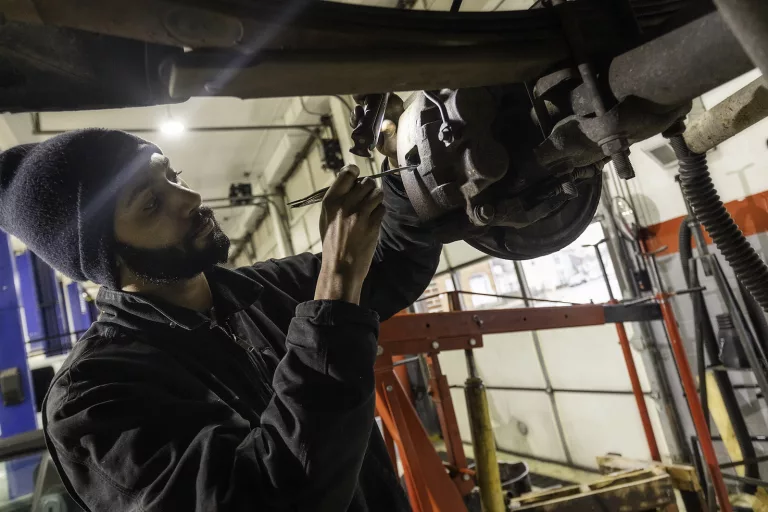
point(171, 127)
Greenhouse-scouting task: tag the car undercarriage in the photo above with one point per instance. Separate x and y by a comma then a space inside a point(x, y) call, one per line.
point(520, 113)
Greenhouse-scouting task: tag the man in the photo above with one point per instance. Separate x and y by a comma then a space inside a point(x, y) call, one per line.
point(201, 388)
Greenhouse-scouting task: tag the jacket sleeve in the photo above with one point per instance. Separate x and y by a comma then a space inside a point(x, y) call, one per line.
point(126, 441)
point(404, 263)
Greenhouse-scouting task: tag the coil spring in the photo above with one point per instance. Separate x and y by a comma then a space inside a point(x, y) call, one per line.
point(710, 211)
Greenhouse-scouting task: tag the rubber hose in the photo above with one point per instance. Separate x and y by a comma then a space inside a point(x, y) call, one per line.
point(684, 245)
point(707, 340)
point(756, 316)
point(699, 191)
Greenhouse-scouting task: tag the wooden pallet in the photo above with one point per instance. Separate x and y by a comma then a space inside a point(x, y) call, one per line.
point(634, 490)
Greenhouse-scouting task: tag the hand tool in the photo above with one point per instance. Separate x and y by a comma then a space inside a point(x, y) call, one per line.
point(316, 197)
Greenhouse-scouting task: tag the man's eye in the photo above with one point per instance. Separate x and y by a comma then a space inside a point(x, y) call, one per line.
point(151, 204)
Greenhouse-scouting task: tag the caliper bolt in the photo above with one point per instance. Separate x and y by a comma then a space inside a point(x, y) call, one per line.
point(484, 213)
point(445, 135)
point(618, 150)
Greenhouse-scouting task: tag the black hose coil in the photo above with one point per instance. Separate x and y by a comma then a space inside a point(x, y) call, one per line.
point(711, 213)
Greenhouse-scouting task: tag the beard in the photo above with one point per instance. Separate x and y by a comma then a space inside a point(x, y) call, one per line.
point(168, 265)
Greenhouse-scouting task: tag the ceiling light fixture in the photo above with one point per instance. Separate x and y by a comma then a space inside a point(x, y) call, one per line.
point(171, 126)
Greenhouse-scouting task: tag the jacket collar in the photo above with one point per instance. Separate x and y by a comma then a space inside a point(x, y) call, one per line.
point(232, 292)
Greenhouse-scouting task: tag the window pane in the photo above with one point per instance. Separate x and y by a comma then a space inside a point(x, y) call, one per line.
point(434, 300)
point(486, 280)
point(573, 274)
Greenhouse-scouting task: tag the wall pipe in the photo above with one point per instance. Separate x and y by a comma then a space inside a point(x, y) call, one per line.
point(309, 128)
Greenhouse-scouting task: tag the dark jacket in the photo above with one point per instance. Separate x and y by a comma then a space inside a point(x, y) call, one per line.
point(267, 406)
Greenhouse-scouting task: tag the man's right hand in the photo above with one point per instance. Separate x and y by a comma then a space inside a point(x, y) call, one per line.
point(349, 225)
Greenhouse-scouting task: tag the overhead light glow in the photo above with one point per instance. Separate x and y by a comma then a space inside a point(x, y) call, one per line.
point(171, 127)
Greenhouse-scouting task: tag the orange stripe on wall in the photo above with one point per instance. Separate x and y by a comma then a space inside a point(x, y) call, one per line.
point(750, 214)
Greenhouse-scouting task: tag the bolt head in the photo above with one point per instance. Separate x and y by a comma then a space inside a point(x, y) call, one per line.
point(465, 477)
point(389, 389)
point(614, 146)
point(472, 341)
point(484, 213)
point(435, 345)
point(445, 135)
point(379, 350)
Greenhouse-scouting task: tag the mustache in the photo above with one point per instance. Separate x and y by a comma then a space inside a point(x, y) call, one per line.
point(202, 215)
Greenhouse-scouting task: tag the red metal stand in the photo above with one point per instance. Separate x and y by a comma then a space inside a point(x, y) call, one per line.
point(637, 390)
point(430, 485)
point(692, 396)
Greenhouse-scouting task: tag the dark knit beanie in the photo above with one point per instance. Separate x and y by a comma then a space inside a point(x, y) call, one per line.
point(58, 197)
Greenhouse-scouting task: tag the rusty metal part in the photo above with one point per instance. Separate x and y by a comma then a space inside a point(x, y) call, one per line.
point(453, 174)
point(575, 140)
point(680, 65)
point(731, 116)
point(461, 325)
point(630, 491)
point(485, 185)
point(403, 345)
point(749, 21)
point(483, 442)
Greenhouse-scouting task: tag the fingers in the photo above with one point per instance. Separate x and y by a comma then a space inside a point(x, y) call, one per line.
point(372, 201)
point(359, 191)
point(377, 215)
point(345, 180)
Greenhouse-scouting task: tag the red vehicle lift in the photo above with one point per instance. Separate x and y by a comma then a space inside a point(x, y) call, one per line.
point(437, 487)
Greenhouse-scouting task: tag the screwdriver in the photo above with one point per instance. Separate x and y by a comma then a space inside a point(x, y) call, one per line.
point(316, 197)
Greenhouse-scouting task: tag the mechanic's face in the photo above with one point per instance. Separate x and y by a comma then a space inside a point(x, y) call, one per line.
point(163, 233)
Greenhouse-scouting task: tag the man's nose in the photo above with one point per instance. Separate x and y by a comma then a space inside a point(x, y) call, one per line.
point(187, 201)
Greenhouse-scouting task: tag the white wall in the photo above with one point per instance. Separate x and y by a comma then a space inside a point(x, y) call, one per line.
point(577, 361)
